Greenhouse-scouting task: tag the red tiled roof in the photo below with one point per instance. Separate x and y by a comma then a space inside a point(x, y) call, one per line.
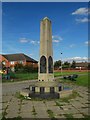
point(18, 57)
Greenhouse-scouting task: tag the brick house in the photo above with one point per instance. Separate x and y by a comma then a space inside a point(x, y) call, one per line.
point(82, 65)
point(10, 60)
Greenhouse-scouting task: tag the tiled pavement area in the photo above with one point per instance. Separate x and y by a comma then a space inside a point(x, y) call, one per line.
point(76, 108)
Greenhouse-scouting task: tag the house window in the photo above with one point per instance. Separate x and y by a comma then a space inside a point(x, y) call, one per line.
point(12, 62)
point(4, 62)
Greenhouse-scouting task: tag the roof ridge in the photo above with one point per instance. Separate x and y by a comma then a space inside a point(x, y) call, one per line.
point(19, 56)
point(13, 54)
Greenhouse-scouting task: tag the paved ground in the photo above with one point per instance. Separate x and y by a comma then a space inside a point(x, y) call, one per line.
point(15, 86)
point(14, 107)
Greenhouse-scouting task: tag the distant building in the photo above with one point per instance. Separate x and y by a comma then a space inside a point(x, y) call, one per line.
point(10, 60)
point(82, 65)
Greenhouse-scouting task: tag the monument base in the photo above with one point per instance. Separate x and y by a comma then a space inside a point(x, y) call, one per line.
point(46, 90)
point(45, 77)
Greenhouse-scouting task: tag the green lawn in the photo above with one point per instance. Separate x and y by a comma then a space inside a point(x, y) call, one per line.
point(26, 76)
point(56, 74)
point(22, 77)
point(81, 80)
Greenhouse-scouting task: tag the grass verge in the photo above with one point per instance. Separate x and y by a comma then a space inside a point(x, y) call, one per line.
point(57, 74)
point(82, 80)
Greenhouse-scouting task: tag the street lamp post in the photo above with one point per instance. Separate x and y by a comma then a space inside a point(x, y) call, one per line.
point(61, 63)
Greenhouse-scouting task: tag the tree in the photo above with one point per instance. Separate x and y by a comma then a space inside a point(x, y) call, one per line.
point(25, 69)
point(30, 69)
point(18, 67)
point(73, 65)
point(66, 64)
point(57, 64)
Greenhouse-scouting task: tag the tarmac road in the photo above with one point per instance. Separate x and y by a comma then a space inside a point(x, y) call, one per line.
point(16, 86)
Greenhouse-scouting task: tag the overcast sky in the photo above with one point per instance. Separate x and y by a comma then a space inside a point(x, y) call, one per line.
point(21, 28)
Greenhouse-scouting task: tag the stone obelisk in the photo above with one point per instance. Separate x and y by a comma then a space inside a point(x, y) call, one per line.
point(45, 72)
point(46, 86)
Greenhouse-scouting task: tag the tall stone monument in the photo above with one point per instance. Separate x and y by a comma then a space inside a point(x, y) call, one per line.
point(45, 72)
point(46, 86)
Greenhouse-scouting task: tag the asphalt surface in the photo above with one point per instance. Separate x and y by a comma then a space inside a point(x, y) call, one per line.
point(16, 86)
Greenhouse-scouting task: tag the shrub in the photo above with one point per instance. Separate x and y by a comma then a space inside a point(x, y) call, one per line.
point(26, 69)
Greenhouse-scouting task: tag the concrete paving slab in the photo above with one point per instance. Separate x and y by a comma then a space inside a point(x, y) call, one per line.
point(41, 111)
point(12, 114)
point(26, 108)
point(12, 109)
point(68, 106)
point(13, 106)
point(71, 111)
point(4, 105)
point(26, 102)
point(0, 111)
point(0, 105)
point(80, 99)
point(61, 112)
point(55, 110)
point(87, 105)
point(62, 116)
point(15, 99)
point(26, 105)
point(3, 111)
point(50, 103)
point(83, 95)
point(40, 108)
point(77, 104)
point(62, 103)
point(0, 116)
point(0, 99)
point(38, 104)
point(26, 115)
point(57, 116)
point(84, 111)
point(6, 98)
point(78, 116)
point(42, 115)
